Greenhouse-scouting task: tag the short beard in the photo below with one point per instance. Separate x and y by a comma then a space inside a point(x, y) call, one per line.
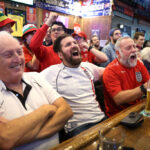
point(127, 63)
point(70, 60)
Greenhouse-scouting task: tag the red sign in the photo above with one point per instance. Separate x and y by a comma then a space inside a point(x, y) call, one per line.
point(87, 2)
point(31, 15)
point(45, 15)
point(77, 28)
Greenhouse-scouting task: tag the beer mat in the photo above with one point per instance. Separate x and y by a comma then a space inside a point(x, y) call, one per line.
point(144, 113)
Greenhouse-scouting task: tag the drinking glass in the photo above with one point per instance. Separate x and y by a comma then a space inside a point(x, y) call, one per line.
point(111, 139)
point(147, 107)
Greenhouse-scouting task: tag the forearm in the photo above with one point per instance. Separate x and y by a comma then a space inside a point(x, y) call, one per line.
point(24, 129)
point(57, 122)
point(100, 56)
point(128, 96)
point(33, 64)
point(37, 39)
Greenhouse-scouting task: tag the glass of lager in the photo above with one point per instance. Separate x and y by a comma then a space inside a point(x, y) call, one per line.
point(147, 107)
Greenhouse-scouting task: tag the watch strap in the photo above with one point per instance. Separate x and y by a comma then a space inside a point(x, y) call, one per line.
point(143, 89)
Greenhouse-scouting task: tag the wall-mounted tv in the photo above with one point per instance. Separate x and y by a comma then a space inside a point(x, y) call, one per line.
point(28, 2)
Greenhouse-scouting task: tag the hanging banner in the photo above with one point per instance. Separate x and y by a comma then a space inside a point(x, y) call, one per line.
point(77, 28)
point(31, 15)
point(87, 8)
point(45, 15)
point(18, 26)
point(87, 2)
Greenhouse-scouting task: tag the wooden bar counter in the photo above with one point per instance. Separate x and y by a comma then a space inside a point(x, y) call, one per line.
point(138, 138)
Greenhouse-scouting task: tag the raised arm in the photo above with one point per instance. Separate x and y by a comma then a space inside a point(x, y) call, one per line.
point(36, 43)
point(24, 129)
point(99, 56)
point(58, 120)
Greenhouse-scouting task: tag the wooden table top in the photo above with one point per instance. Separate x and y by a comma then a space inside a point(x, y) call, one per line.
point(138, 138)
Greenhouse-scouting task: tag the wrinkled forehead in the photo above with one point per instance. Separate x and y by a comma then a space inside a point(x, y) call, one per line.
point(126, 42)
point(9, 44)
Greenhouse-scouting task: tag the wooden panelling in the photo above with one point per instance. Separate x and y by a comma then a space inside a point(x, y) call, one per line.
point(102, 23)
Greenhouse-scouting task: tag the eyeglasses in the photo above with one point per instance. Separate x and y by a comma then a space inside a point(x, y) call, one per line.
point(57, 29)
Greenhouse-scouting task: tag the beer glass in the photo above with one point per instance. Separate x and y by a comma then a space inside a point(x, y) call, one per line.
point(111, 139)
point(147, 107)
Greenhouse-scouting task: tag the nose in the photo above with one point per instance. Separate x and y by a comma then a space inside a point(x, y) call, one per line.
point(134, 49)
point(16, 57)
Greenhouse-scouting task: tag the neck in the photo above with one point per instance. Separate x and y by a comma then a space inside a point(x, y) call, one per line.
point(15, 86)
point(71, 66)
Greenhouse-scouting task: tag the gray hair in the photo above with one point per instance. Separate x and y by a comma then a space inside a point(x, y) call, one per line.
point(6, 38)
point(145, 54)
point(117, 45)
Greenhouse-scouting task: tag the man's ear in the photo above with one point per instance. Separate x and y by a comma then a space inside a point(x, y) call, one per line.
point(117, 53)
point(60, 55)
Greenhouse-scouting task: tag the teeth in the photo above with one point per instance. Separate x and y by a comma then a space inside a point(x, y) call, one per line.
point(17, 66)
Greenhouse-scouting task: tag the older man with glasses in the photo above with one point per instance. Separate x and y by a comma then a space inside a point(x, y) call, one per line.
point(46, 55)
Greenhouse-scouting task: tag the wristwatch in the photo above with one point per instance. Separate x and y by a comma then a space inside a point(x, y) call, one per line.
point(143, 89)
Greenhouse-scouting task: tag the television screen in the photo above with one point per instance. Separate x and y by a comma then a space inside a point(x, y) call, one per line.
point(29, 2)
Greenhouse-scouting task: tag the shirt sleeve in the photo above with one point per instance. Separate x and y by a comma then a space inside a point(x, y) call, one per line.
point(36, 43)
point(111, 82)
point(107, 52)
point(50, 72)
point(48, 90)
point(96, 71)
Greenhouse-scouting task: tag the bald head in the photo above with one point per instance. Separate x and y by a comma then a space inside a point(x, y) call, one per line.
point(7, 41)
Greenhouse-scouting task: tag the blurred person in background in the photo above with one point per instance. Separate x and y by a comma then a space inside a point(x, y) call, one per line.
point(47, 40)
point(139, 39)
point(95, 42)
point(109, 49)
point(6, 23)
point(146, 43)
point(31, 62)
point(145, 57)
point(88, 53)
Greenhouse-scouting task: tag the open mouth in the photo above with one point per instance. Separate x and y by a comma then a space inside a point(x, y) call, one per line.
point(75, 53)
point(133, 56)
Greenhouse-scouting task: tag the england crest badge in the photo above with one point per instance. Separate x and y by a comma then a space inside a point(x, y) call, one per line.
point(138, 76)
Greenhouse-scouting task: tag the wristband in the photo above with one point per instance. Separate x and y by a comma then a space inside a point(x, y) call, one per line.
point(90, 48)
point(143, 89)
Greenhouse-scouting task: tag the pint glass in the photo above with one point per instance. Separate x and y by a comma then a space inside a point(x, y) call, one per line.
point(147, 107)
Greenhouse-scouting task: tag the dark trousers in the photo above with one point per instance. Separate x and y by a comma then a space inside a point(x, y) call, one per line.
point(64, 136)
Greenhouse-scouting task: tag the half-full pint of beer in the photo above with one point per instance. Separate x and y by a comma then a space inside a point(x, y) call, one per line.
point(147, 108)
